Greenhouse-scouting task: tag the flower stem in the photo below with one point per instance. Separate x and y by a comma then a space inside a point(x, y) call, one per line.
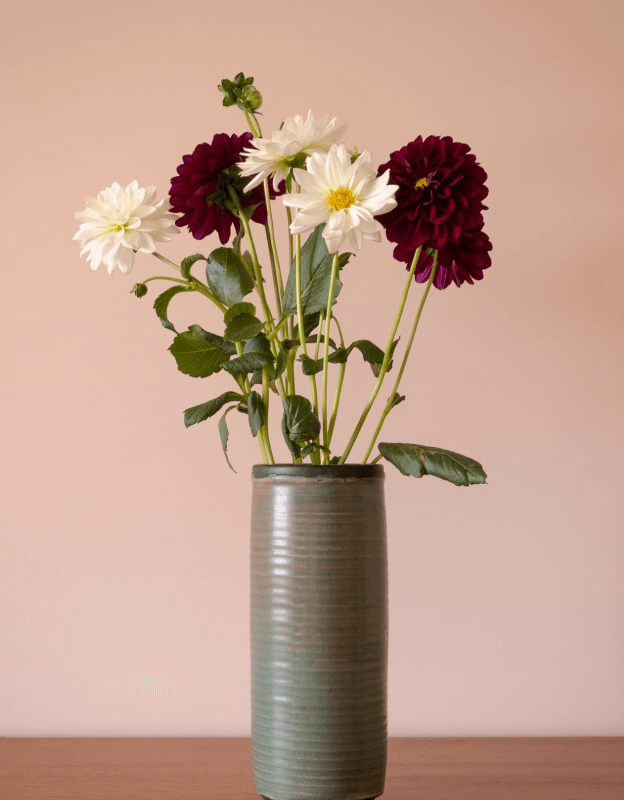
point(194, 283)
point(390, 402)
point(386, 359)
point(341, 374)
point(252, 127)
point(259, 282)
point(276, 288)
point(328, 316)
point(273, 249)
point(166, 278)
point(166, 261)
point(302, 336)
point(265, 401)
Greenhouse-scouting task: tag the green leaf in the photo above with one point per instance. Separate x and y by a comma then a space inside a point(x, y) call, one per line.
point(200, 413)
point(370, 352)
point(418, 460)
point(300, 420)
point(139, 289)
point(161, 304)
point(339, 356)
point(292, 446)
point(396, 399)
point(280, 364)
point(196, 354)
point(238, 309)
point(255, 410)
point(312, 447)
point(187, 263)
point(229, 348)
point(243, 327)
point(316, 267)
point(376, 366)
point(310, 366)
point(256, 354)
point(334, 460)
point(227, 276)
point(310, 323)
point(225, 435)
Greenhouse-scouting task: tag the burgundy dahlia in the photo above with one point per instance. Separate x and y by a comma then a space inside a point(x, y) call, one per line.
point(441, 188)
point(200, 189)
point(463, 261)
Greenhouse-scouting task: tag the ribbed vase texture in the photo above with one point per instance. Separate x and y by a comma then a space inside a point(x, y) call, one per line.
point(319, 632)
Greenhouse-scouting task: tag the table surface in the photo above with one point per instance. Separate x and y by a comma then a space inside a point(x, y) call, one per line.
point(570, 768)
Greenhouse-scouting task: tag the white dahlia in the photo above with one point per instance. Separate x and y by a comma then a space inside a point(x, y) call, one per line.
point(288, 147)
point(346, 196)
point(119, 222)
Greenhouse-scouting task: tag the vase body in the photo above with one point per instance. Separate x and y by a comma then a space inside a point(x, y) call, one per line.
point(319, 632)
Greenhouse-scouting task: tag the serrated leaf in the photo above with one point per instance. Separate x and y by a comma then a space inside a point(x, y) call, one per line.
point(227, 276)
point(196, 355)
point(161, 305)
point(229, 348)
point(301, 422)
point(418, 460)
point(256, 355)
point(187, 263)
point(225, 435)
point(202, 412)
point(238, 309)
point(316, 268)
point(255, 410)
point(243, 327)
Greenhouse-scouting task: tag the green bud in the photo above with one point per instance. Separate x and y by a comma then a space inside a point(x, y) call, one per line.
point(354, 154)
point(139, 289)
point(254, 100)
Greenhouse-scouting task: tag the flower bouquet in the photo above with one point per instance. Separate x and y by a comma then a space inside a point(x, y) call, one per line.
point(427, 198)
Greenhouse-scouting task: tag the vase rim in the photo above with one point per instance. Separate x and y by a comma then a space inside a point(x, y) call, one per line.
point(318, 471)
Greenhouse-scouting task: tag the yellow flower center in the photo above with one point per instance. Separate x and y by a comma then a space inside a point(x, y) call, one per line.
point(421, 182)
point(340, 199)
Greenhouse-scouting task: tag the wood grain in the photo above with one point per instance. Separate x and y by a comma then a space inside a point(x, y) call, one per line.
point(418, 769)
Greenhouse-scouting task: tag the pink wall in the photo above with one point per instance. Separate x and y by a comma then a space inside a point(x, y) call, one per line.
point(124, 552)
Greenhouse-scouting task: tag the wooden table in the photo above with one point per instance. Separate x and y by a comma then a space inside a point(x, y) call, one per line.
point(220, 769)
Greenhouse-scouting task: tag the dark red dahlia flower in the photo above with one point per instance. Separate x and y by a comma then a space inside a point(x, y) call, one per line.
point(200, 189)
point(441, 188)
point(459, 262)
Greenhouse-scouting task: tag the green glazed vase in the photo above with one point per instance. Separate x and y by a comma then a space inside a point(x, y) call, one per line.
point(319, 632)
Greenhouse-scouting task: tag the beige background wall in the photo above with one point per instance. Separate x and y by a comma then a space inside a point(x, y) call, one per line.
point(124, 545)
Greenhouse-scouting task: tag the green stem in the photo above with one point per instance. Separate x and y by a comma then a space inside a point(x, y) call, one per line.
point(265, 401)
point(318, 334)
point(375, 460)
point(259, 282)
point(276, 287)
point(386, 359)
point(166, 278)
point(328, 317)
point(302, 337)
point(252, 127)
point(389, 404)
point(273, 248)
point(254, 257)
point(246, 389)
point(166, 261)
point(343, 368)
point(199, 287)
